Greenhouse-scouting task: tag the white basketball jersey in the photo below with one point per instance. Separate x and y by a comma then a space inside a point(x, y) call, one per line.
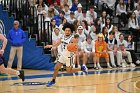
point(65, 42)
point(63, 46)
point(66, 57)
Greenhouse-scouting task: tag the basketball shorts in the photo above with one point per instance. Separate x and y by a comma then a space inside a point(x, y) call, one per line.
point(68, 61)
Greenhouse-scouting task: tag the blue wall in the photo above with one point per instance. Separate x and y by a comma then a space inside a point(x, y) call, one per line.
point(33, 56)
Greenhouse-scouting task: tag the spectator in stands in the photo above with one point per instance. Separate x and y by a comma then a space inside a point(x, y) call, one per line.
point(122, 44)
point(53, 25)
point(103, 18)
point(93, 32)
point(76, 23)
point(61, 25)
point(130, 47)
point(31, 2)
point(80, 32)
point(89, 50)
point(43, 19)
point(86, 27)
point(56, 35)
point(91, 14)
point(133, 26)
point(3, 43)
point(101, 51)
point(56, 5)
point(137, 12)
point(42, 3)
point(105, 32)
point(108, 24)
point(52, 12)
point(121, 40)
point(71, 19)
point(16, 37)
point(94, 2)
point(108, 6)
point(49, 2)
point(59, 18)
point(112, 49)
point(40, 9)
point(116, 31)
point(84, 17)
point(137, 3)
point(67, 11)
point(74, 6)
point(78, 12)
point(126, 56)
point(80, 53)
point(63, 2)
point(130, 7)
point(41, 16)
point(98, 26)
point(121, 13)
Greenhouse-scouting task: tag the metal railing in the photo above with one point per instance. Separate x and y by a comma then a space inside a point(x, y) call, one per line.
point(44, 30)
point(27, 15)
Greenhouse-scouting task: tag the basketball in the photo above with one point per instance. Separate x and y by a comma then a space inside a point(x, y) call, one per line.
point(72, 47)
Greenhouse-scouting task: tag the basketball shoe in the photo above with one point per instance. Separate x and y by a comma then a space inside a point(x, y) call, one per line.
point(84, 69)
point(21, 75)
point(50, 83)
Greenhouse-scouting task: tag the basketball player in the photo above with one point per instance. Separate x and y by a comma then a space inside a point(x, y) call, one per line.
point(20, 73)
point(65, 57)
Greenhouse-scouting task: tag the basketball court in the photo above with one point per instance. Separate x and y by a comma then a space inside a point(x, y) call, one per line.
point(122, 80)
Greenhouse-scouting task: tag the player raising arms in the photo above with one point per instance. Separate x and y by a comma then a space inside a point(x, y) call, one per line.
point(3, 43)
point(66, 56)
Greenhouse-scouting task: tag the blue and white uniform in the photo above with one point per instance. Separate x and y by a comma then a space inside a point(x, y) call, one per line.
point(66, 57)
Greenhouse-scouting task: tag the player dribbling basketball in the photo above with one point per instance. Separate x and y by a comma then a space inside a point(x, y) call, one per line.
point(65, 57)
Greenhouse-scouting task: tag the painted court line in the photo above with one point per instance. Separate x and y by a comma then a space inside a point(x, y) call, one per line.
point(66, 74)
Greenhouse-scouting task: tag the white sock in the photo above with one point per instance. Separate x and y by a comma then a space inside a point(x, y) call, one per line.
point(79, 66)
point(17, 72)
point(108, 64)
point(73, 66)
point(95, 65)
point(98, 64)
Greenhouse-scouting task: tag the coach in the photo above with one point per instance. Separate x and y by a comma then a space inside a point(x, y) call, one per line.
point(16, 37)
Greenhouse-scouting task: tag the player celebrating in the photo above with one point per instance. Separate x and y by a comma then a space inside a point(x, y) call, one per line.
point(3, 43)
point(66, 56)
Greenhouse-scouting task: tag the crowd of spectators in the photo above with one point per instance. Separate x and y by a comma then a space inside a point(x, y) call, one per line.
point(88, 24)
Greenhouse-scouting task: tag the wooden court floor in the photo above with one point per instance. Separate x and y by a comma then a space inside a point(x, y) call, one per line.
point(122, 80)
